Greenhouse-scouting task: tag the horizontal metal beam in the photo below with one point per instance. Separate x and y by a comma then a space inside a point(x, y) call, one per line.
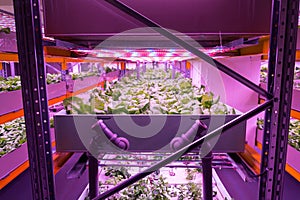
point(13, 57)
point(183, 150)
point(156, 27)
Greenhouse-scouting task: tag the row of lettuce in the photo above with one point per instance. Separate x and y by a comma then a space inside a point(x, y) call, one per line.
point(14, 83)
point(13, 135)
point(294, 132)
point(264, 75)
point(155, 92)
point(154, 186)
point(294, 129)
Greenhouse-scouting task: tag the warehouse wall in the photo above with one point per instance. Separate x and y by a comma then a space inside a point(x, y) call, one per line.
point(238, 95)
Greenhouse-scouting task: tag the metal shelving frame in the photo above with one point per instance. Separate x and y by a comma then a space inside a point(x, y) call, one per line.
point(283, 40)
point(281, 66)
point(33, 79)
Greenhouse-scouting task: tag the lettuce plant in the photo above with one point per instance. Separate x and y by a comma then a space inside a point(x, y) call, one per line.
point(153, 93)
point(12, 135)
point(14, 83)
point(294, 132)
point(264, 75)
point(53, 78)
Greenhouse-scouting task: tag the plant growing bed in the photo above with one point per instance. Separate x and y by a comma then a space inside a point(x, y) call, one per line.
point(167, 183)
point(156, 113)
point(155, 97)
point(13, 146)
point(293, 151)
point(89, 79)
point(11, 94)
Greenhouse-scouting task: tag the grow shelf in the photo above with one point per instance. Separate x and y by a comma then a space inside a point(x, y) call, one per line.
point(12, 160)
point(161, 111)
point(191, 160)
point(12, 100)
point(292, 154)
point(76, 133)
point(174, 181)
point(83, 83)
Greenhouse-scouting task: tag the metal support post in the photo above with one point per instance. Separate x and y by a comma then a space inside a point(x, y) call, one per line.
point(144, 67)
point(173, 70)
point(33, 79)
point(166, 67)
point(207, 176)
point(138, 70)
point(93, 177)
point(123, 70)
point(5, 69)
point(187, 69)
point(12, 69)
point(280, 84)
point(1, 70)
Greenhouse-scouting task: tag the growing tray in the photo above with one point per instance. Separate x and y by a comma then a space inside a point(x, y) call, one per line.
point(81, 133)
point(293, 154)
point(112, 75)
point(12, 160)
point(56, 90)
point(9, 162)
point(12, 101)
point(79, 84)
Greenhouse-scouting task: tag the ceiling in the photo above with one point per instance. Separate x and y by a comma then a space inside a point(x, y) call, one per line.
point(78, 23)
point(210, 23)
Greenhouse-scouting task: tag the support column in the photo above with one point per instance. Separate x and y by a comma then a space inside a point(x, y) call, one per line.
point(1, 69)
point(166, 67)
point(280, 83)
point(187, 69)
point(144, 67)
point(173, 69)
point(12, 69)
point(123, 69)
point(93, 177)
point(138, 70)
point(34, 94)
point(207, 176)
